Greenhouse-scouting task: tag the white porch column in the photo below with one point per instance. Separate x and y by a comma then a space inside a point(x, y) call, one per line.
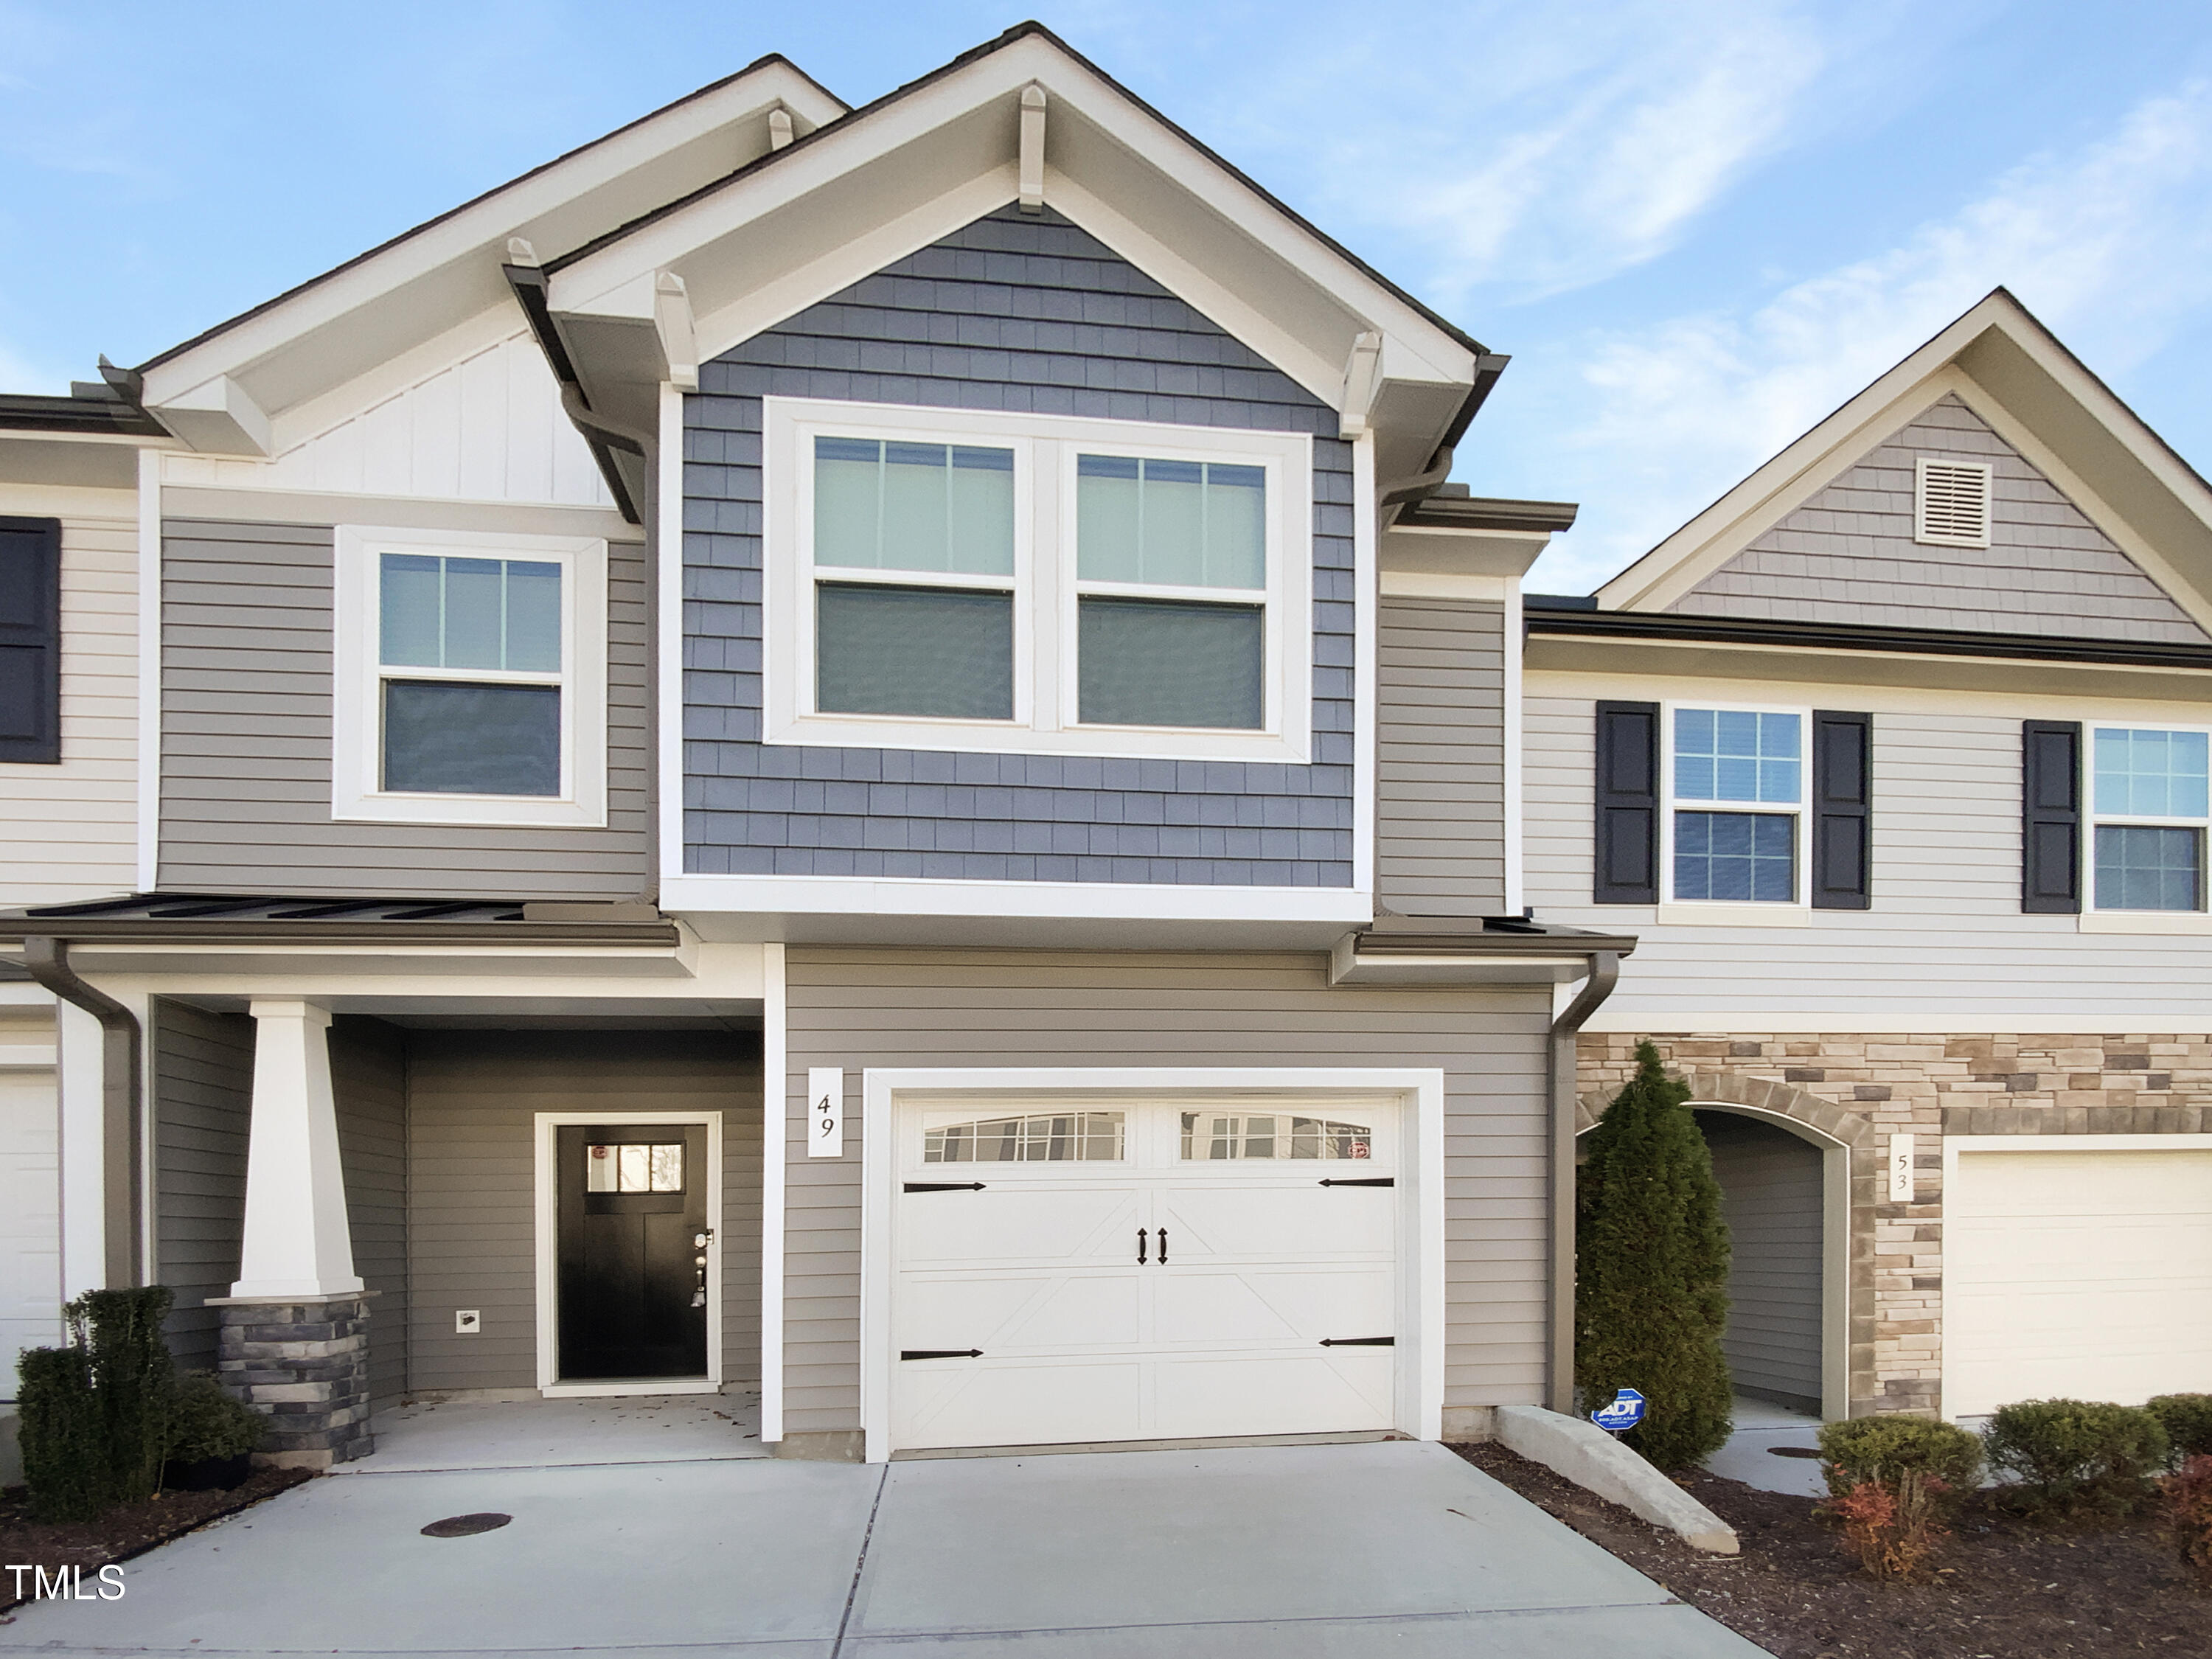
point(79, 1079)
point(296, 1241)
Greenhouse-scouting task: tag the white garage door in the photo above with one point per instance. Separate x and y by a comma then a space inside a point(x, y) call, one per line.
point(1108, 1270)
point(2084, 1275)
point(30, 1215)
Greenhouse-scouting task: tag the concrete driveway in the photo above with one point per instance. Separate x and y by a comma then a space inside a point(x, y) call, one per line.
point(1282, 1552)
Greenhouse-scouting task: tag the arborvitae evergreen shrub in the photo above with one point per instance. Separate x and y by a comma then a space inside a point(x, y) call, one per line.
point(62, 1436)
point(132, 1377)
point(1651, 1263)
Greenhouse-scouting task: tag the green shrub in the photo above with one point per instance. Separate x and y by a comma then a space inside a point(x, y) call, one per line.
point(206, 1422)
point(2074, 1456)
point(132, 1378)
point(63, 1439)
point(2187, 1420)
point(1651, 1263)
point(1882, 1448)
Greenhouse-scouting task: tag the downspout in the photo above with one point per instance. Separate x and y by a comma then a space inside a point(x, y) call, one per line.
point(121, 1073)
point(1604, 974)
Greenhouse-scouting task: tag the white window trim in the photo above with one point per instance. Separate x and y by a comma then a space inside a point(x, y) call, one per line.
point(547, 1243)
point(1737, 912)
point(1927, 538)
point(2120, 920)
point(356, 708)
point(1422, 1332)
point(1044, 583)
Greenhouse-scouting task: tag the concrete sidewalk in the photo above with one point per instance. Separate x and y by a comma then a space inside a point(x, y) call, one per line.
point(1284, 1552)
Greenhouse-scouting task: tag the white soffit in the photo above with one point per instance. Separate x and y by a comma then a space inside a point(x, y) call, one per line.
point(2013, 372)
point(896, 176)
point(341, 325)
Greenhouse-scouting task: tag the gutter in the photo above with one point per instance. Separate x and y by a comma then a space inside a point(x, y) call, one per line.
point(1488, 365)
point(1604, 974)
point(122, 1090)
point(531, 292)
point(94, 930)
point(1546, 615)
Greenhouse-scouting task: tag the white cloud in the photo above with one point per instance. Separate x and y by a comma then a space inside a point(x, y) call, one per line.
point(2110, 244)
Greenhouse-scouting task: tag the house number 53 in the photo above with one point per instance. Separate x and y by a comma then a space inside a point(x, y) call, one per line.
point(825, 1112)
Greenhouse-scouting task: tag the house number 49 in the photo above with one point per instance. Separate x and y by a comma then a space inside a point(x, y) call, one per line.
point(825, 1112)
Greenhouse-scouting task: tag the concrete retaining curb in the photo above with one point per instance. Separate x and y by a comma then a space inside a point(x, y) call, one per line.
point(1594, 1460)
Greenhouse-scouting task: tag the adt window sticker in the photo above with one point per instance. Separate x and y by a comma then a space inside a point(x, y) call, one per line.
point(66, 1584)
point(825, 1111)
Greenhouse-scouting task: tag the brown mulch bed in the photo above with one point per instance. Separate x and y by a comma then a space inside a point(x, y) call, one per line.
point(2010, 1590)
point(121, 1533)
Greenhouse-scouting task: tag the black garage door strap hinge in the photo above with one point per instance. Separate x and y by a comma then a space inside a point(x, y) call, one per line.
point(1362, 1181)
point(946, 1354)
point(945, 1186)
point(1359, 1342)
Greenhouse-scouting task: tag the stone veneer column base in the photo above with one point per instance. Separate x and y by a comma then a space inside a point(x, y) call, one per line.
point(304, 1361)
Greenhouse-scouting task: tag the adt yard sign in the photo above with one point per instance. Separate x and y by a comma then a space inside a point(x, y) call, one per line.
point(1624, 1413)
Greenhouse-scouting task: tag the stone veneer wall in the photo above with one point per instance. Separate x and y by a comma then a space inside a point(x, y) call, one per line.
point(1862, 1089)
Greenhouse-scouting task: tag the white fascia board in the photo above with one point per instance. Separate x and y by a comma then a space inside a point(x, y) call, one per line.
point(1073, 901)
point(1413, 346)
point(487, 221)
point(1718, 534)
point(216, 417)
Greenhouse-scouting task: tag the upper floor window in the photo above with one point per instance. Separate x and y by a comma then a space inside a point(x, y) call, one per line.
point(470, 678)
point(1737, 787)
point(2149, 811)
point(950, 580)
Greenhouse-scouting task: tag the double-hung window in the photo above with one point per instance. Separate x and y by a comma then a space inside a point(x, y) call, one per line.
point(2148, 807)
point(942, 578)
point(470, 676)
point(1737, 783)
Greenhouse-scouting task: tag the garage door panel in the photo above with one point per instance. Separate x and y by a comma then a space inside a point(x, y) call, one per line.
point(1273, 1221)
point(2082, 1273)
point(1252, 1305)
point(943, 1229)
point(1015, 1310)
point(1276, 1395)
point(1012, 1403)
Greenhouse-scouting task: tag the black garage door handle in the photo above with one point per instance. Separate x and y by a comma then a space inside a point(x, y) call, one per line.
point(945, 1186)
point(941, 1353)
point(1359, 1342)
point(1362, 1181)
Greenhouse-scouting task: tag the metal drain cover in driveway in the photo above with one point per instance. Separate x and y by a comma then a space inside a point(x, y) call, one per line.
point(466, 1526)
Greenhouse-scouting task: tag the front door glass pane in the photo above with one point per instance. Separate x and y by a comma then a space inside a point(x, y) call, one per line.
point(633, 1167)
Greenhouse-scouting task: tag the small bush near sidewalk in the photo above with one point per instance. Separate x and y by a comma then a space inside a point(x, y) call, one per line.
point(2189, 1515)
point(2187, 1420)
point(95, 1415)
point(2074, 1458)
point(1895, 1527)
point(1884, 1448)
point(205, 1422)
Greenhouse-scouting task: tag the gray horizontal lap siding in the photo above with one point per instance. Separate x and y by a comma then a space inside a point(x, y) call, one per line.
point(1030, 315)
point(1848, 555)
point(200, 1071)
point(1440, 758)
point(245, 741)
point(369, 1079)
point(856, 1008)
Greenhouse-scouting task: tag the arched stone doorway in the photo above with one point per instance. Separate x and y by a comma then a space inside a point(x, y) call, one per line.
point(1843, 1144)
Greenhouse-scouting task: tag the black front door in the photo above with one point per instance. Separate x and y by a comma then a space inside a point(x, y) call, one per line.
point(635, 1243)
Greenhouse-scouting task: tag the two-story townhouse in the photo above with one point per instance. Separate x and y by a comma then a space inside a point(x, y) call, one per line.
point(1894, 760)
point(856, 752)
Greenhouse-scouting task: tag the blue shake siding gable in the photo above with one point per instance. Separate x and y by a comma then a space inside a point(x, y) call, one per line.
point(1027, 314)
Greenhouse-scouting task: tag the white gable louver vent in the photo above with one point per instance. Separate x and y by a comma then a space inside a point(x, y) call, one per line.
point(1951, 503)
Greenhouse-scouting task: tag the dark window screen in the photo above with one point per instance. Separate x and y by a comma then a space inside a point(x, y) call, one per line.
point(946, 652)
point(1165, 662)
point(449, 738)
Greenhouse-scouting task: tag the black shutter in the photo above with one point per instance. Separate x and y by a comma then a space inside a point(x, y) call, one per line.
point(1627, 826)
point(2051, 816)
point(31, 640)
point(1843, 801)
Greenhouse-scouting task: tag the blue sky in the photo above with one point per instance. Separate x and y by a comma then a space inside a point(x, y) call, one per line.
point(1696, 225)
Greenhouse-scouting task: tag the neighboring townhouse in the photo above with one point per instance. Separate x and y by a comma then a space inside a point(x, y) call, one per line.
point(1894, 761)
point(857, 753)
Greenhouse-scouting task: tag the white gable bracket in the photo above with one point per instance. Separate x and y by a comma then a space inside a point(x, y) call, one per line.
point(1361, 382)
point(1031, 199)
point(779, 128)
point(671, 321)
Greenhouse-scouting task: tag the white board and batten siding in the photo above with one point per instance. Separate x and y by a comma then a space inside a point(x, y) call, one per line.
point(862, 1008)
point(68, 832)
point(488, 427)
point(1944, 940)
